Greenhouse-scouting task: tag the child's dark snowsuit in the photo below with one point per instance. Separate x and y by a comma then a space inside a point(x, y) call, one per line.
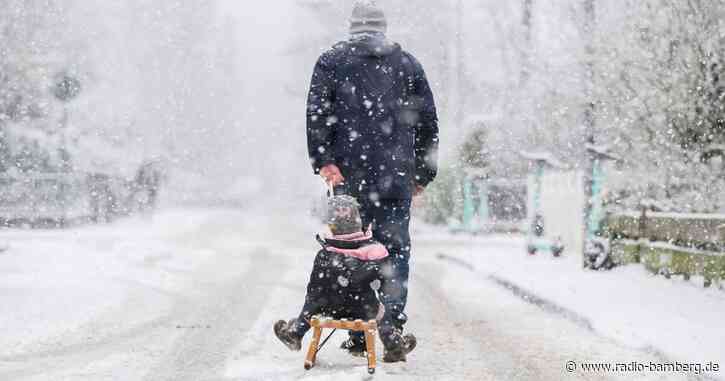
point(340, 283)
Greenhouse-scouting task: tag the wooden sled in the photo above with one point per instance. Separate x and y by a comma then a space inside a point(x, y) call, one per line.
point(369, 328)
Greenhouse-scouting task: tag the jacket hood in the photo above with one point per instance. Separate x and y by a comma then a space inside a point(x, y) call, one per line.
point(372, 45)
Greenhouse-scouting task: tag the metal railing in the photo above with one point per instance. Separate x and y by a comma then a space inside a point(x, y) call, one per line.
point(62, 199)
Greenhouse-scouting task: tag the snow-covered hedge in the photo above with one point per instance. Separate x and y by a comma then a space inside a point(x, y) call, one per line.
point(671, 243)
point(683, 229)
point(668, 260)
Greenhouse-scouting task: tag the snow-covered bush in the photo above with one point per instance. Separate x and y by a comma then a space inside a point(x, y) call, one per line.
point(444, 197)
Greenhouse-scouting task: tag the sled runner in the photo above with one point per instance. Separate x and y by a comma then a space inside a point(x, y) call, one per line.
point(369, 328)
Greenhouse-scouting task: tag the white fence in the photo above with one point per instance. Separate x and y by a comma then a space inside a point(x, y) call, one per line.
point(59, 199)
point(50, 197)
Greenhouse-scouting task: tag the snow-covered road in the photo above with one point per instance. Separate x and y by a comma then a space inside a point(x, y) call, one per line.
point(192, 295)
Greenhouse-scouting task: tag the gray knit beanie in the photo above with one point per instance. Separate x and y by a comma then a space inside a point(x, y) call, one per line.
point(367, 16)
point(343, 215)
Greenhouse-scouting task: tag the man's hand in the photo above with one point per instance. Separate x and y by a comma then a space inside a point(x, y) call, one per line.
point(418, 191)
point(332, 175)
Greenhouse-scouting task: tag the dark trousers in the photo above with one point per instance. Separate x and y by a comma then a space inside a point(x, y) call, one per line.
point(390, 220)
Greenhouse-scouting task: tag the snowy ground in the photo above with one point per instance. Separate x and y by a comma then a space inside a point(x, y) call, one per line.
point(192, 295)
point(627, 304)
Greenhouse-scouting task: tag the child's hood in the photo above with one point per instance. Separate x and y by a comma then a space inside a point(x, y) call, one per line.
point(358, 245)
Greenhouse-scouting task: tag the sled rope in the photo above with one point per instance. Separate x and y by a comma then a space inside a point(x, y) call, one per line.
point(325, 341)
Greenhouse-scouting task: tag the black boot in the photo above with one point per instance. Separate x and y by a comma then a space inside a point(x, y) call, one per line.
point(285, 334)
point(398, 352)
point(354, 345)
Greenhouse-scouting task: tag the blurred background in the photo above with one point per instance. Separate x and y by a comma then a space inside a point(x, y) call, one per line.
point(576, 135)
point(209, 96)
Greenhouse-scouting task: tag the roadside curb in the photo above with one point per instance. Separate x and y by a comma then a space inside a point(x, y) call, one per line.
point(547, 305)
point(524, 294)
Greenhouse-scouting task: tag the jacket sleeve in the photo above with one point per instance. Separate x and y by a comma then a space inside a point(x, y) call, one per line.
point(318, 283)
point(320, 114)
point(426, 132)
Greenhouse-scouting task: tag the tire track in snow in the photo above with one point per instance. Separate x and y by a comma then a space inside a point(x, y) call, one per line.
point(228, 310)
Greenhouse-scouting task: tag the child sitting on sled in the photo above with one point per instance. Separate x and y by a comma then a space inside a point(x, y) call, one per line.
point(341, 282)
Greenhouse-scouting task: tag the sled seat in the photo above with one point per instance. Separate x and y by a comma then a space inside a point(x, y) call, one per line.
point(369, 328)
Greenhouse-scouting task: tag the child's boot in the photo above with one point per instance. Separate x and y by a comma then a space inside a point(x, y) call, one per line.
point(286, 334)
point(354, 345)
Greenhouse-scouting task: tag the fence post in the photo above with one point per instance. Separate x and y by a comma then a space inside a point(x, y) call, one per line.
point(641, 233)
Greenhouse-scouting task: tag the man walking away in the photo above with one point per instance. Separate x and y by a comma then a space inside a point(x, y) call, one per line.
point(372, 127)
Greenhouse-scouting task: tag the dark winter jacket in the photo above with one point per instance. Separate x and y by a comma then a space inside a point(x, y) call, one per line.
point(371, 112)
point(341, 278)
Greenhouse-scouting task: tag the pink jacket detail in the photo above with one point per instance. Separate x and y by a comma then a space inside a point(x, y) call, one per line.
point(370, 252)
